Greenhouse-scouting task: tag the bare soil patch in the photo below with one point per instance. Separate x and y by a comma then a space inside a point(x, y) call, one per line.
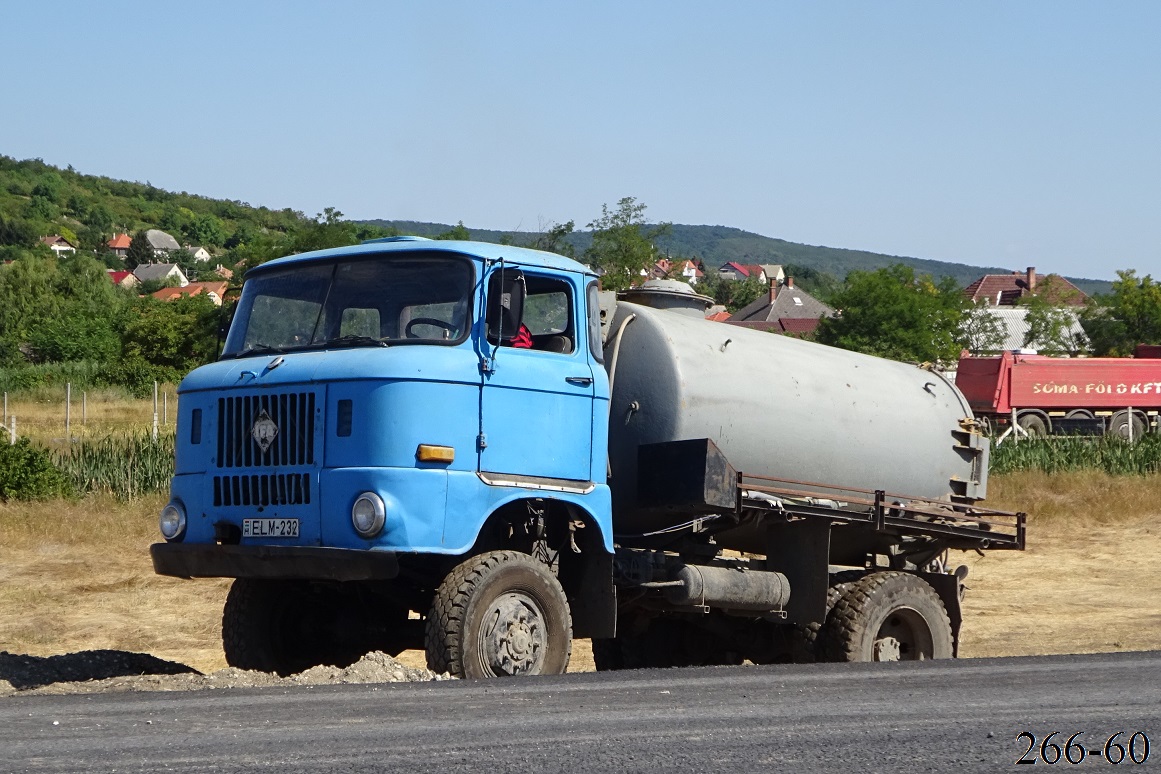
point(75, 578)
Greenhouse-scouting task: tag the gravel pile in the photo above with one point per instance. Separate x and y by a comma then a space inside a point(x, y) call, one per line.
point(100, 671)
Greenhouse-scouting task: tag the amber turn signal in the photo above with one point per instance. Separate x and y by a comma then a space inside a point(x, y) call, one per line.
point(429, 453)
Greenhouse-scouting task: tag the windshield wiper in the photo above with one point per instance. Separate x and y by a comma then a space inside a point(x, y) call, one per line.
point(257, 349)
point(355, 341)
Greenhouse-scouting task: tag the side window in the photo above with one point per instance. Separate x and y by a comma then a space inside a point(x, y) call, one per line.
point(548, 314)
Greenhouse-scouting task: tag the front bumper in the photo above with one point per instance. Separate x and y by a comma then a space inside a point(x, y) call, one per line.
point(209, 560)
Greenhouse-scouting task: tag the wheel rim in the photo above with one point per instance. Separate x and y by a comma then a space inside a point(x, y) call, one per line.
point(903, 636)
point(514, 637)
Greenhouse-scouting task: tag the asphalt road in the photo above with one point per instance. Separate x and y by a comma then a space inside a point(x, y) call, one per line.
point(936, 716)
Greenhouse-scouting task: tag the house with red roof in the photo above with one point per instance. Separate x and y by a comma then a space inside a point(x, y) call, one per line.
point(1008, 289)
point(215, 290)
point(743, 271)
point(122, 279)
point(119, 245)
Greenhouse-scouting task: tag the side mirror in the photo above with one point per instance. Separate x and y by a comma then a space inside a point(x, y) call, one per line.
point(506, 291)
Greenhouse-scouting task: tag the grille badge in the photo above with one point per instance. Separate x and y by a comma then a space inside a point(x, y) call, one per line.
point(264, 431)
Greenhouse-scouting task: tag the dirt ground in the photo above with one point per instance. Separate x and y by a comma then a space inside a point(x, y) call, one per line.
point(76, 576)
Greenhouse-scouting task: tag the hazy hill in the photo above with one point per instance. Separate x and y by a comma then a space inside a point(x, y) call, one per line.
point(37, 199)
point(716, 245)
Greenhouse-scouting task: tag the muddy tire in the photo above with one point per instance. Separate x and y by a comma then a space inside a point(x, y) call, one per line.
point(270, 626)
point(500, 613)
point(888, 616)
point(806, 645)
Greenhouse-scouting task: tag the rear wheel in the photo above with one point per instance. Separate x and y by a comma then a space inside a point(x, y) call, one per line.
point(889, 616)
point(500, 613)
point(1034, 425)
point(1120, 422)
point(808, 645)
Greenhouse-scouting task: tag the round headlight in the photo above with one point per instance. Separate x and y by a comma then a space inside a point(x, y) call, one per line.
point(368, 514)
point(172, 521)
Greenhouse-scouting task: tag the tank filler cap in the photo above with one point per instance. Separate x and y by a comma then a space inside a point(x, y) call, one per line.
point(668, 294)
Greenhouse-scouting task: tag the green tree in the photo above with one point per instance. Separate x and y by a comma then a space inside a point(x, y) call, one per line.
point(173, 336)
point(894, 314)
point(205, 229)
point(140, 251)
point(553, 238)
point(27, 293)
point(457, 232)
point(820, 284)
point(51, 187)
point(328, 229)
point(622, 246)
point(78, 316)
point(1050, 327)
point(981, 332)
point(41, 210)
point(19, 233)
point(1130, 315)
point(732, 294)
point(99, 218)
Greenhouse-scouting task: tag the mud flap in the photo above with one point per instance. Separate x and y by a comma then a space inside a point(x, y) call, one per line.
point(800, 550)
point(950, 590)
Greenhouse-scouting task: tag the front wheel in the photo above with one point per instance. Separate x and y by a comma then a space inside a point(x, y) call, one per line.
point(498, 614)
point(273, 626)
point(889, 616)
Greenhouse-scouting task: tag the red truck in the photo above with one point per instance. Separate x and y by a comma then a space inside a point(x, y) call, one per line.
point(1049, 395)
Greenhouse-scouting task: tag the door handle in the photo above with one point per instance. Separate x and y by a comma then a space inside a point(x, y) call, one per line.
point(580, 381)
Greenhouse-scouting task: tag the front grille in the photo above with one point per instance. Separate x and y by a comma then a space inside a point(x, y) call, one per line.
point(292, 412)
point(266, 489)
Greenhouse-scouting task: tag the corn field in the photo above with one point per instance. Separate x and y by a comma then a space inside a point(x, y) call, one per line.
point(126, 466)
point(1059, 454)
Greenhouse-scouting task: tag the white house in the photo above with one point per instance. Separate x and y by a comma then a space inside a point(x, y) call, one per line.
point(160, 271)
point(59, 244)
point(199, 254)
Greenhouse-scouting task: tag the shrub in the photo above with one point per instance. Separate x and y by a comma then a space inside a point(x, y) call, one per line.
point(27, 473)
point(124, 466)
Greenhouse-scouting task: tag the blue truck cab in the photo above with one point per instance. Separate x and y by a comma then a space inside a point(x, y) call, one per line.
point(402, 445)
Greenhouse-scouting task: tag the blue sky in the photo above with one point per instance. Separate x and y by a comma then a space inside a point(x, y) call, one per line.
point(992, 133)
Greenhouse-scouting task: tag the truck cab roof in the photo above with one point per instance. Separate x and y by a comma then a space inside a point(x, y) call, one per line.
point(517, 255)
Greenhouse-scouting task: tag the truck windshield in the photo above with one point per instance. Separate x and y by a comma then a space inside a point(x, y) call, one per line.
point(369, 302)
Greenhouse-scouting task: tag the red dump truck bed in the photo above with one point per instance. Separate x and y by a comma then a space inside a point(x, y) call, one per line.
point(997, 385)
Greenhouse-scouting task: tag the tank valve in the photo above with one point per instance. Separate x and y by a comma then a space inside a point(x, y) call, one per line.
point(634, 407)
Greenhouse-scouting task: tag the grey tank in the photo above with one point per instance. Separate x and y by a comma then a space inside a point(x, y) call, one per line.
point(777, 406)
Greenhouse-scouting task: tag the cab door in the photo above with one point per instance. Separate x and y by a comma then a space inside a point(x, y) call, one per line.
point(537, 403)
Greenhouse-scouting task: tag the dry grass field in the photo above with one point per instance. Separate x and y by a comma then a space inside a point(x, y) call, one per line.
point(76, 576)
point(41, 415)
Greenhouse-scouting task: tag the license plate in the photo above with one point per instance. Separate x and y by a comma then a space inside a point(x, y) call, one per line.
point(271, 528)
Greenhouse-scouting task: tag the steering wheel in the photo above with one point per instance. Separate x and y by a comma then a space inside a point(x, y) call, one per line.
point(448, 328)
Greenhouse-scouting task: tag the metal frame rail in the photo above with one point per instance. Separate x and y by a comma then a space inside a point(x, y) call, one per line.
point(964, 525)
